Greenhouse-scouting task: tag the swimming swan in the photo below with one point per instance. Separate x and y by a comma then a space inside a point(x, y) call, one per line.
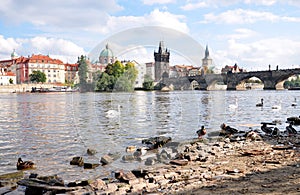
point(261, 103)
point(113, 113)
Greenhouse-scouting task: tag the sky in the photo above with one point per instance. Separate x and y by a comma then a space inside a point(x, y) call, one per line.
point(251, 33)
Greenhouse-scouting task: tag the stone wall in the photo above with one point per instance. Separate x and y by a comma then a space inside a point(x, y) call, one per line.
point(22, 88)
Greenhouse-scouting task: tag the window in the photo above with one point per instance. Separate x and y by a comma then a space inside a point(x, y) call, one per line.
point(49, 75)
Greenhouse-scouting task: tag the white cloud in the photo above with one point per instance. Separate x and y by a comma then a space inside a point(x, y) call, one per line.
point(7, 46)
point(261, 2)
point(259, 54)
point(151, 2)
point(155, 18)
point(240, 33)
point(241, 16)
point(62, 49)
point(58, 15)
point(192, 6)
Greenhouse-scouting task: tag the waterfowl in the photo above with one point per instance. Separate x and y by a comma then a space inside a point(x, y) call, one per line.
point(24, 164)
point(277, 107)
point(113, 113)
point(130, 148)
point(294, 119)
point(140, 151)
point(201, 132)
point(291, 130)
point(276, 131)
point(261, 104)
point(227, 129)
point(233, 106)
point(266, 129)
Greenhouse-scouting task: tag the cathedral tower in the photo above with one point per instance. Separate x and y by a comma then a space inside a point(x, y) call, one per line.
point(162, 58)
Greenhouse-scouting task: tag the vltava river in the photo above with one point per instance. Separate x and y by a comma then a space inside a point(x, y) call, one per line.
point(51, 128)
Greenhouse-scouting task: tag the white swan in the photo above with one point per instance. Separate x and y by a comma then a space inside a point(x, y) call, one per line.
point(113, 113)
point(233, 106)
point(277, 107)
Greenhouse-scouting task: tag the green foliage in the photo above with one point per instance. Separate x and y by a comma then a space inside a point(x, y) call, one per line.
point(117, 77)
point(11, 81)
point(292, 83)
point(37, 76)
point(82, 70)
point(148, 82)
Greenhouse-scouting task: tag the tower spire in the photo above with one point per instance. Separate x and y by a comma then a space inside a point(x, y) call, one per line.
point(206, 52)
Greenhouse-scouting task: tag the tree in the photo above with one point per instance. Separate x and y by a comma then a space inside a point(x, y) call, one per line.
point(82, 70)
point(83, 75)
point(117, 77)
point(11, 81)
point(148, 82)
point(37, 76)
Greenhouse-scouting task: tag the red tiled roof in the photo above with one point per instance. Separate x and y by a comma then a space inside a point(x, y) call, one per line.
point(43, 59)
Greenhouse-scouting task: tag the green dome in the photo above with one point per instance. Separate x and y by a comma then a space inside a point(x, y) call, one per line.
point(106, 52)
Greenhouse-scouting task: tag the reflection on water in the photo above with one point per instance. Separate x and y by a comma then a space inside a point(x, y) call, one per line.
point(50, 129)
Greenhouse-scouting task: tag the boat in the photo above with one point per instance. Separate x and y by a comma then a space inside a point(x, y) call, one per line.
point(53, 89)
point(294, 88)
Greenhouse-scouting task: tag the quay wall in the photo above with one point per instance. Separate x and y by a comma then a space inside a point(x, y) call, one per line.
point(22, 88)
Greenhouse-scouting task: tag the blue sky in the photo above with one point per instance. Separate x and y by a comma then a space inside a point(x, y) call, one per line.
point(252, 33)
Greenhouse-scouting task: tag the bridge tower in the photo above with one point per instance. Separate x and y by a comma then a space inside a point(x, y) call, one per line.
point(162, 58)
point(206, 61)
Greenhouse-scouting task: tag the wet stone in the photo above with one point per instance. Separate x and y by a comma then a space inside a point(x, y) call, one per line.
point(106, 159)
point(150, 161)
point(77, 161)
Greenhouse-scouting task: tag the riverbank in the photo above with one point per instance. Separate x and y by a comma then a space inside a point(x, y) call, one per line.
point(22, 88)
point(253, 165)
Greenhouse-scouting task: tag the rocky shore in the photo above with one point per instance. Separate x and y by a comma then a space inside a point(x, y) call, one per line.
point(243, 164)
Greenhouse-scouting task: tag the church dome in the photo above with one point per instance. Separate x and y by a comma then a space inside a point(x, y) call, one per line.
point(14, 54)
point(106, 52)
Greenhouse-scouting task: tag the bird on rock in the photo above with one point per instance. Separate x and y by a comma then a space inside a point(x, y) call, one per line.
point(24, 164)
point(266, 129)
point(291, 130)
point(228, 130)
point(201, 132)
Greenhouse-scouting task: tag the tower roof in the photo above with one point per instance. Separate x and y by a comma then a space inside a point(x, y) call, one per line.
point(14, 54)
point(206, 53)
point(106, 52)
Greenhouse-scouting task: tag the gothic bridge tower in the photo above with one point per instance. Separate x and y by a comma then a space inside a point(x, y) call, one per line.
point(162, 58)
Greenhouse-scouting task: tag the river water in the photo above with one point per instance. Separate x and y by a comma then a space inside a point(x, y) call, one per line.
point(51, 128)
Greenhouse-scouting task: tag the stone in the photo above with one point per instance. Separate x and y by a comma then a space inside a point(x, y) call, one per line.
point(138, 187)
point(98, 184)
point(150, 161)
point(77, 161)
point(106, 159)
point(90, 165)
point(179, 162)
point(5, 190)
point(111, 187)
point(127, 158)
point(140, 173)
point(91, 151)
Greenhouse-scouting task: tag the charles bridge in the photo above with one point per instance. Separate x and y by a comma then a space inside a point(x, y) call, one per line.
point(271, 79)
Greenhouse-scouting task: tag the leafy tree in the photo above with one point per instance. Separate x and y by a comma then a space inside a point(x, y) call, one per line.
point(37, 76)
point(11, 81)
point(83, 75)
point(82, 70)
point(148, 82)
point(117, 77)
